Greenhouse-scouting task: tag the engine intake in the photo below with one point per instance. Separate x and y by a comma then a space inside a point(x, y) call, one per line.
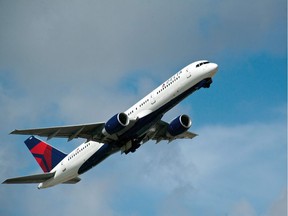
point(117, 123)
point(179, 125)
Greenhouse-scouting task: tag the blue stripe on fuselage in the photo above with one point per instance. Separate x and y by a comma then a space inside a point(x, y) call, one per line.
point(105, 151)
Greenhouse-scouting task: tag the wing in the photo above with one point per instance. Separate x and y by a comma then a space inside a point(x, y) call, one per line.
point(159, 132)
point(87, 131)
point(38, 178)
point(94, 132)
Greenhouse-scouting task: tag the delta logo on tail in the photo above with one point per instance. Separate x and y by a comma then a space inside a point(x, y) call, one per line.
point(46, 156)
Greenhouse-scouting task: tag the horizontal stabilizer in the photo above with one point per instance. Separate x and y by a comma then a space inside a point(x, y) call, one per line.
point(38, 178)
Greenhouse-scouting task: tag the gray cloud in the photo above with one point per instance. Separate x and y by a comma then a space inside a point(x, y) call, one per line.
point(56, 51)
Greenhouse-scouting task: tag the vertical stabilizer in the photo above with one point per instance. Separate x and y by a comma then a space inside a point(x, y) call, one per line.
point(46, 156)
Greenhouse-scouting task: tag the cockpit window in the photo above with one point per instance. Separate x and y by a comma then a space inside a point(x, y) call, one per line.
point(202, 63)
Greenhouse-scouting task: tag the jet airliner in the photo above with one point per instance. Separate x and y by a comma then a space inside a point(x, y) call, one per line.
point(125, 132)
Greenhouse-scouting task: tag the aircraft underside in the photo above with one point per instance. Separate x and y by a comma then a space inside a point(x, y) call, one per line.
point(125, 131)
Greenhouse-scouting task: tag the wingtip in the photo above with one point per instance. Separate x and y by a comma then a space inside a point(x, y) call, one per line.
point(14, 131)
point(6, 182)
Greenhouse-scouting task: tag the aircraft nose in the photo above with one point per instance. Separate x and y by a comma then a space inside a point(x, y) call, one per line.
point(214, 68)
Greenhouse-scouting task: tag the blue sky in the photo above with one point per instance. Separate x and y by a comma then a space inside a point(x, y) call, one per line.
point(71, 62)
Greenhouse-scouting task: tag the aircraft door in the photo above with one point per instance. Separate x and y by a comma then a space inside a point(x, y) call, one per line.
point(63, 167)
point(152, 99)
point(188, 73)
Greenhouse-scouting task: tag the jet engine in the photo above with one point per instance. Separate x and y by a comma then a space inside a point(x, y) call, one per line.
point(179, 125)
point(115, 124)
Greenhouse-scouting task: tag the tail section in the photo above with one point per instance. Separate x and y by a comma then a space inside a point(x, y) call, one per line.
point(46, 156)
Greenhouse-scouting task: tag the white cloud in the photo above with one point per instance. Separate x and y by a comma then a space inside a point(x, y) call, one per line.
point(222, 168)
point(242, 208)
point(224, 164)
point(279, 206)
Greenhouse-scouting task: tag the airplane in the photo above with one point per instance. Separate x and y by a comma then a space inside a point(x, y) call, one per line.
point(125, 131)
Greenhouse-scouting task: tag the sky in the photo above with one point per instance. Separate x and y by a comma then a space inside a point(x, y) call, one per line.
point(73, 62)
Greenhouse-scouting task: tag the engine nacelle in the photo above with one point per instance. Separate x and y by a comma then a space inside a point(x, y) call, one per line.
point(115, 124)
point(179, 125)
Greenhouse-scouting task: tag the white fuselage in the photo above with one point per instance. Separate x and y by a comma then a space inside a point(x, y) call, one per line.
point(171, 88)
point(166, 95)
